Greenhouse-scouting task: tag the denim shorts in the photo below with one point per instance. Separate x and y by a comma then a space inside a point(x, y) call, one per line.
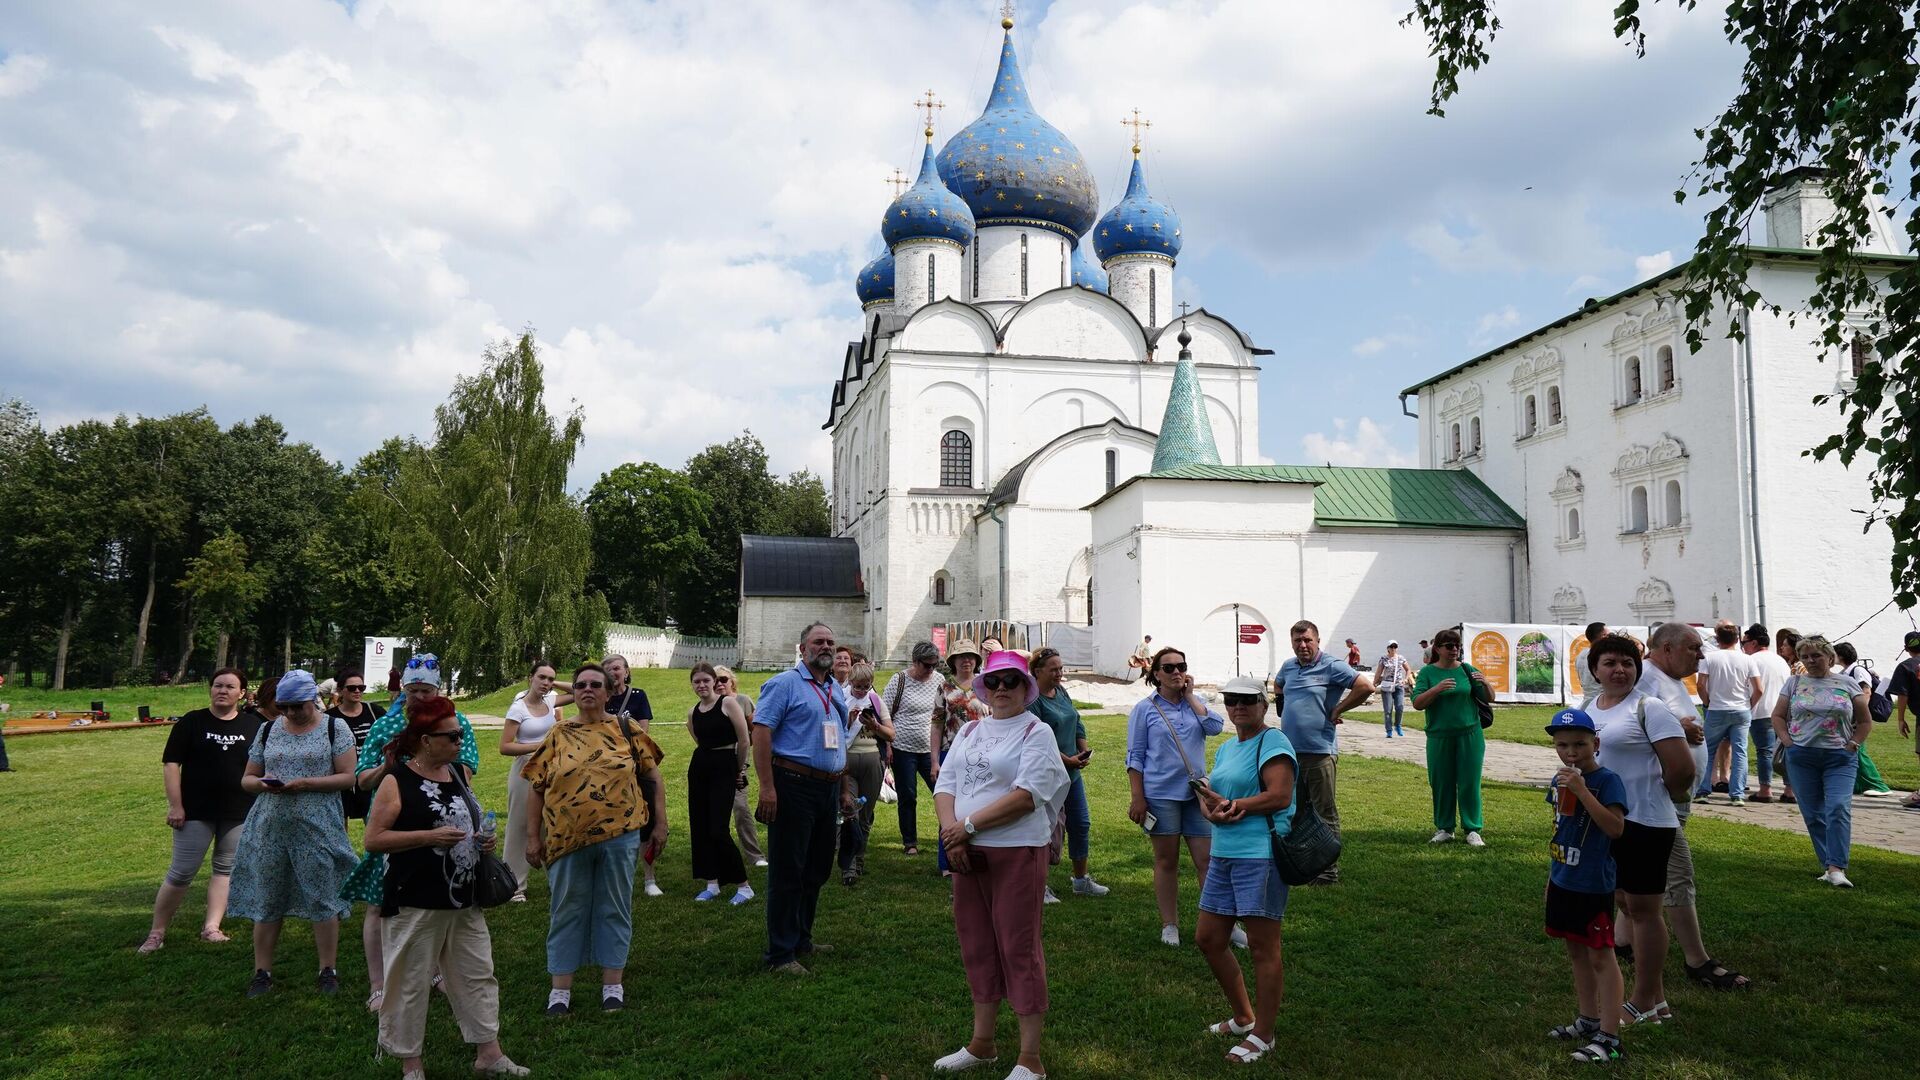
point(1178, 817)
point(1244, 889)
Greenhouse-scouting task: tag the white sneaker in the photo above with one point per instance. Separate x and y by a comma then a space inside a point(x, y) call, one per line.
point(1838, 879)
point(1021, 1072)
point(1440, 836)
point(654, 889)
point(1238, 938)
point(1473, 840)
point(960, 1061)
point(1048, 897)
point(1086, 886)
point(1169, 935)
point(1875, 793)
point(760, 864)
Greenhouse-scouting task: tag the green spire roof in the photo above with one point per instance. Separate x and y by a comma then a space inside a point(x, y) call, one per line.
point(1186, 435)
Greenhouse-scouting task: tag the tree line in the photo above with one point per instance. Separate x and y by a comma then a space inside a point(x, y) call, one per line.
point(150, 549)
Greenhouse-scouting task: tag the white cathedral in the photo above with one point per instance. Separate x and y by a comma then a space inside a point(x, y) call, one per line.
point(1022, 433)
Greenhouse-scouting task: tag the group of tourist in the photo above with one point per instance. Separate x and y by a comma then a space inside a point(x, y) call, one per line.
point(1002, 748)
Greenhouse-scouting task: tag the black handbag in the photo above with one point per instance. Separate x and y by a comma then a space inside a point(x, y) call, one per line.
point(1311, 845)
point(493, 880)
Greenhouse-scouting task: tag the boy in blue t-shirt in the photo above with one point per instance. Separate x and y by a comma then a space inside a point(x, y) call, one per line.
point(1590, 812)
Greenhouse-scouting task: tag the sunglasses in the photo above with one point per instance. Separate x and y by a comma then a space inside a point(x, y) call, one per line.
point(1242, 699)
point(1174, 669)
point(596, 685)
point(450, 736)
point(429, 663)
point(353, 688)
point(1002, 680)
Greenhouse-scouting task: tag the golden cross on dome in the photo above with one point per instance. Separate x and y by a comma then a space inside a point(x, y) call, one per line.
point(1138, 125)
point(929, 104)
point(1006, 15)
point(898, 181)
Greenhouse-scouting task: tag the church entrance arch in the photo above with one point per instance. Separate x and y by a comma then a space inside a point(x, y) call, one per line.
point(1222, 651)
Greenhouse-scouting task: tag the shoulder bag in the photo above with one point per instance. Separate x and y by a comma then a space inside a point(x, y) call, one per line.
point(646, 785)
point(1483, 708)
point(1195, 781)
point(1311, 845)
point(493, 880)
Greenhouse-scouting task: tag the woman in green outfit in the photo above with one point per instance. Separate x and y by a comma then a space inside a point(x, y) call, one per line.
point(1456, 747)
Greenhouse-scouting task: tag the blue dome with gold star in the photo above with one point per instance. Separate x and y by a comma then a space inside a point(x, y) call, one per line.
point(927, 210)
point(1138, 224)
point(875, 283)
point(1013, 168)
point(1086, 272)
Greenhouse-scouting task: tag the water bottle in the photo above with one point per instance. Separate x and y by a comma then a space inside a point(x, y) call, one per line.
point(487, 823)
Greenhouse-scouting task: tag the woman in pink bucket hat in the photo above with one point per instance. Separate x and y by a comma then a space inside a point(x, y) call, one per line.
point(998, 796)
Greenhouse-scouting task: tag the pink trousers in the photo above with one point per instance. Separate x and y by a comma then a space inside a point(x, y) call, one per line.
point(996, 912)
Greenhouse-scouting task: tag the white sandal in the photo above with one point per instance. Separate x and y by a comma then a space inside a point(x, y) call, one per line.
point(375, 1000)
point(961, 1060)
point(1242, 1056)
point(1229, 1026)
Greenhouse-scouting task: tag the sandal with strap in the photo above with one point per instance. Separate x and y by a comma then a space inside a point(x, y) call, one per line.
point(1229, 1026)
point(1599, 1053)
point(1712, 973)
point(1659, 1014)
point(154, 943)
point(1572, 1032)
point(214, 935)
point(1251, 1049)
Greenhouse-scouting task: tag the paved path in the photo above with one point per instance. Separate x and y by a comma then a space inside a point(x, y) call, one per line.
point(1877, 822)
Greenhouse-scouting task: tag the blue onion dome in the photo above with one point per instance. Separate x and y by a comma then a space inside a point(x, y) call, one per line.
point(875, 283)
point(1086, 272)
point(927, 210)
point(1013, 168)
point(1138, 224)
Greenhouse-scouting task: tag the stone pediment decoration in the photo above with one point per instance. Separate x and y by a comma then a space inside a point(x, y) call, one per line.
point(1628, 329)
point(1569, 604)
point(1653, 600)
point(1659, 318)
point(1642, 458)
point(1533, 368)
point(1463, 400)
point(1569, 485)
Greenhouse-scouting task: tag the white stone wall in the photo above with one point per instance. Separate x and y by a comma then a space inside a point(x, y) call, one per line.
point(769, 627)
point(1145, 286)
point(910, 281)
point(1193, 562)
point(997, 248)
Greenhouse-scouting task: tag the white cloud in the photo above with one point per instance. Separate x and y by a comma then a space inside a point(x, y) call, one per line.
point(1494, 321)
point(20, 73)
point(1355, 442)
point(1646, 266)
point(1379, 343)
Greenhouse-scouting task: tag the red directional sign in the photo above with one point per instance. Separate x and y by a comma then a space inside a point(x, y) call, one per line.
point(1249, 639)
point(1252, 628)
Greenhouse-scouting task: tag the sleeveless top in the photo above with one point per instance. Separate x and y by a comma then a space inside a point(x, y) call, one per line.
point(711, 728)
point(864, 741)
point(532, 728)
point(430, 877)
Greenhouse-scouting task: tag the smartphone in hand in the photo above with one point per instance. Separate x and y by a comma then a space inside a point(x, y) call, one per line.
point(273, 781)
point(1149, 821)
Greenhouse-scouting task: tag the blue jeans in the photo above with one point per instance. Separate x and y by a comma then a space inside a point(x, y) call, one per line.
point(1762, 750)
point(1393, 701)
point(1823, 783)
point(1079, 820)
point(590, 917)
point(1727, 725)
point(906, 766)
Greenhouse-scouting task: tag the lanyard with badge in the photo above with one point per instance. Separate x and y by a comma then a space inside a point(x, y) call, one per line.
point(830, 727)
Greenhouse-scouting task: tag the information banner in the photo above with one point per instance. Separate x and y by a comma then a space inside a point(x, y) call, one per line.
point(1578, 679)
point(1522, 662)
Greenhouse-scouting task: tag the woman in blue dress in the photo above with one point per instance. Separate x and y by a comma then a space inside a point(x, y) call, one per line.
point(294, 854)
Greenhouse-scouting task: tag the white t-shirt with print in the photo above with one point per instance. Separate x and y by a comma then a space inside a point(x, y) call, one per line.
point(1729, 674)
point(989, 759)
point(1628, 751)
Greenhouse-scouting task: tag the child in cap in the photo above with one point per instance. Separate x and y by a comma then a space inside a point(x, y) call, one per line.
point(1590, 812)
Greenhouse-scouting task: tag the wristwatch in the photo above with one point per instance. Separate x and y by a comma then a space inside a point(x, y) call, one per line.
point(968, 825)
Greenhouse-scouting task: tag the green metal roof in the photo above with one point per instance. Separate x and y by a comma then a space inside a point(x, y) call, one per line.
point(1186, 432)
point(1352, 497)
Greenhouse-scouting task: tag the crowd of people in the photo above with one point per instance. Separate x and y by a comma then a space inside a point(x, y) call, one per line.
point(268, 788)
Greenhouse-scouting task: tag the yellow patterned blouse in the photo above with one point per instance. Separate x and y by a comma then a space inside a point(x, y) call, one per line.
point(586, 776)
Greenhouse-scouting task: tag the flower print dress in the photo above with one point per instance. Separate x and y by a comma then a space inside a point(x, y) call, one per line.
point(367, 882)
point(294, 854)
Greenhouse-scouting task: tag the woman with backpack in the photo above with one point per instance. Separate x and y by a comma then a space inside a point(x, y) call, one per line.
point(294, 856)
point(1822, 719)
point(1249, 798)
point(1869, 782)
point(916, 704)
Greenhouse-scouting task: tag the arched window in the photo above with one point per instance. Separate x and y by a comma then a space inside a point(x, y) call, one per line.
point(1532, 411)
point(1859, 352)
point(1573, 523)
point(940, 586)
point(1454, 454)
point(1023, 264)
point(956, 459)
point(1637, 510)
point(1553, 405)
point(1113, 468)
point(930, 294)
point(1473, 426)
point(1672, 520)
point(1089, 601)
point(1066, 273)
point(1666, 368)
point(1633, 380)
point(976, 268)
point(1153, 298)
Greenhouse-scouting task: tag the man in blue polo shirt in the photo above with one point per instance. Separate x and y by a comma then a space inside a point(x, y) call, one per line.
point(800, 737)
point(1308, 691)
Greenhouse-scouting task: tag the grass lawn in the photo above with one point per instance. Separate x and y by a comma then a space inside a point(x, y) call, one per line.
point(122, 701)
point(1424, 962)
point(1527, 724)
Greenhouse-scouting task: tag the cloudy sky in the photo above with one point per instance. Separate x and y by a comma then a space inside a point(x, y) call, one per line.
point(324, 210)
